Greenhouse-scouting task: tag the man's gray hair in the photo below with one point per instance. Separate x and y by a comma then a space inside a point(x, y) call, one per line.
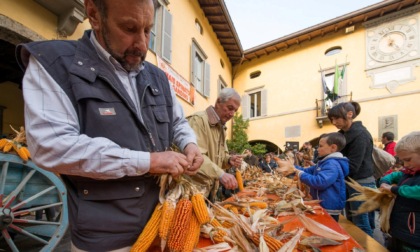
point(103, 8)
point(228, 93)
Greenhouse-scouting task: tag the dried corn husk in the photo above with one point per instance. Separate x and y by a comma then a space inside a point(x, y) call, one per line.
point(240, 239)
point(320, 229)
point(373, 199)
point(318, 241)
point(263, 247)
point(291, 244)
point(223, 246)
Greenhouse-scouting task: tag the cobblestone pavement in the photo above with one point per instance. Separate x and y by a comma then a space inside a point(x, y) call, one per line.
point(26, 245)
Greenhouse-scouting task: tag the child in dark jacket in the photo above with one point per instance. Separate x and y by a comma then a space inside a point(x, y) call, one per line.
point(405, 184)
point(326, 178)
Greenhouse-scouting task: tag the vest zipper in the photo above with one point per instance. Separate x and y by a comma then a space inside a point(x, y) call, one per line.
point(152, 140)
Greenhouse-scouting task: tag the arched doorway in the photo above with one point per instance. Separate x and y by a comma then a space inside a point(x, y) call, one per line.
point(271, 147)
point(12, 33)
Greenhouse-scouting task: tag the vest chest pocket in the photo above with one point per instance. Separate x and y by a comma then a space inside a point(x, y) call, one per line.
point(162, 129)
point(161, 114)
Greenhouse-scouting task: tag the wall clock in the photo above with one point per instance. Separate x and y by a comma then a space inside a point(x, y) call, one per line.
point(392, 42)
point(393, 48)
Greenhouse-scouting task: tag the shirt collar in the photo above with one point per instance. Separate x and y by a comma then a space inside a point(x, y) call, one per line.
point(107, 57)
point(214, 118)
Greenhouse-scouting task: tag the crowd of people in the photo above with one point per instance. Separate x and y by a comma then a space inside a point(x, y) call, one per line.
point(105, 119)
point(350, 153)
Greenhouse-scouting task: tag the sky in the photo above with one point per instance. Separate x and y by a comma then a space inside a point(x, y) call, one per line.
point(260, 21)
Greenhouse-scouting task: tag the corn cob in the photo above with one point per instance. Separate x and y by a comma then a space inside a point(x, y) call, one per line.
point(21, 154)
point(3, 142)
point(200, 208)
point(259, 204)
point(217, 235)
point(227, 224)
point(24, 149)
point(215, 223)
point(149, 232)
point(227, 206)
point(8, 147)
point(239, 179)
point(179, 227)
point(168, 210)
point(247, 211)
point(234, 209)
point(272, 243)
point(193, 234)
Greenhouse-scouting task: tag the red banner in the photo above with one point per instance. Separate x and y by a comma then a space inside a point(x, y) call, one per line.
point(181, 86)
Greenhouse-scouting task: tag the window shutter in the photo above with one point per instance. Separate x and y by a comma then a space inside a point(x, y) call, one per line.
point(263, 102)
point(245, 106)
point(167, 35)
point(206, 87)
point(192, 79)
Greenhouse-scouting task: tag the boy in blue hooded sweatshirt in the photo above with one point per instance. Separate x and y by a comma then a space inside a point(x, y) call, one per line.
point(326, 178)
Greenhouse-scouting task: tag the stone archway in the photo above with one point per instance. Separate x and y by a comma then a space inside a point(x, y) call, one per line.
point(271, 147)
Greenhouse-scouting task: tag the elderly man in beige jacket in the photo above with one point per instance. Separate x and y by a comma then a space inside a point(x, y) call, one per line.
point(209, 126)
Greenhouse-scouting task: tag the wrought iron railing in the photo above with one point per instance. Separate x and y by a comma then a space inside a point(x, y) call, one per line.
point(322, 107)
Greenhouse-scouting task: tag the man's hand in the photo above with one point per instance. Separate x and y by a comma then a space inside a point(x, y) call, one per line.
point(228, 181)
point(235, 160)
point(194, 158)
point(170, 162)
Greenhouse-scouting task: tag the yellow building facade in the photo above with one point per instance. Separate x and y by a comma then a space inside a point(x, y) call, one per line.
point(380, 56)
point(183, 44)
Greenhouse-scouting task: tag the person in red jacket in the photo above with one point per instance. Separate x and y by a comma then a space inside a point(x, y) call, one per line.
point(388, 141)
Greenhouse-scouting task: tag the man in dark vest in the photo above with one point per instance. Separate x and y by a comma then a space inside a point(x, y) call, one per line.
point(101, 116)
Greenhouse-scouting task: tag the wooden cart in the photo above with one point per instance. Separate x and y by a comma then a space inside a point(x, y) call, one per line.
point(33, 206)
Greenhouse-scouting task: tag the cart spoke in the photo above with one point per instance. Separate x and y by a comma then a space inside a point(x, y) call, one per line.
point(3, 178)
point(15, 192)
point(17, 206)
point(9, 240)
point(33, 209)
point(26, 233)
point(35, 222)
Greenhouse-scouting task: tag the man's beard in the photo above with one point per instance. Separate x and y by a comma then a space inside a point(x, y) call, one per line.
point(121, 58)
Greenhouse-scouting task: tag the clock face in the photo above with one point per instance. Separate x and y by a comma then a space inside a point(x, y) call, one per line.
point(391, 42)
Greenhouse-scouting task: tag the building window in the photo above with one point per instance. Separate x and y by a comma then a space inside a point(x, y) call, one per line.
point(333, 50)
point(255, 74)
point(161, 34)
point(334, 87)
point(254, 104)
point(221, 84)
point(200, 74)
point(153, 33)
point(198, 27)
point(340, 81)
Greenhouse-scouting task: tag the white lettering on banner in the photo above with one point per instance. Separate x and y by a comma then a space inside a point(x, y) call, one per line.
point(181, 86)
